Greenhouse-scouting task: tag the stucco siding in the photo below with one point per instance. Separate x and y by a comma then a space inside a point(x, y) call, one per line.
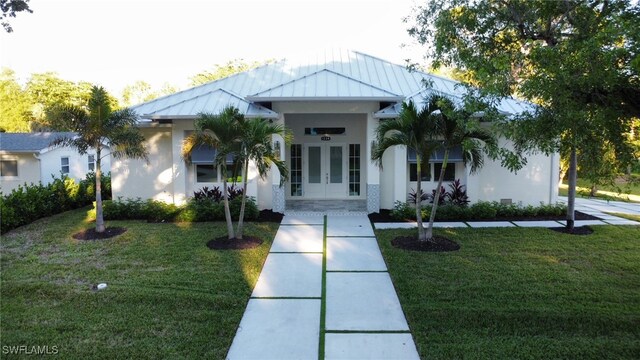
point(154, 180)
point(51, 163)
point(534, 184)
point(28, 172)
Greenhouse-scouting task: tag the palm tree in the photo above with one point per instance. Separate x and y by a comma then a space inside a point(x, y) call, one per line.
point(415, 130)
point(439, 125)
point(99, 127)
point(256, 145)
point(222, 132)
point(456, 127)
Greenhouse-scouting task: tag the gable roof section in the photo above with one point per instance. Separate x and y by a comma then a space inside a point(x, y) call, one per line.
point(212, 102)
point(29, 142)
point(325, 85)
point(333, 75)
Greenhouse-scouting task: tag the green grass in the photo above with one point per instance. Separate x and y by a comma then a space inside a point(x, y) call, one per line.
point(625, 216)
point(624, 191)
point(522, 294)
point(168, 295)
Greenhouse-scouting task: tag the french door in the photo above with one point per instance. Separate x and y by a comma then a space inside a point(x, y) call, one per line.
point(325, 174)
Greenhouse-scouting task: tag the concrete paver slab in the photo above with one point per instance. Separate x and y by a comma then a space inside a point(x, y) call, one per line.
point(398, 225)
point(446, 224)
point(489, 224)
point(302, 220)
point(278, 329)
point(362, 301)
point(370, 346)
point(349, 254)
point(622, 222)
point(290, 275)
point(588, 222)
point(299, 238)
point(349, 226)
point(547, 223)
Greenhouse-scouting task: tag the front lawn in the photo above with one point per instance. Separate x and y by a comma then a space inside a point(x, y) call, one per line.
point(168, 295)
point(522, 293)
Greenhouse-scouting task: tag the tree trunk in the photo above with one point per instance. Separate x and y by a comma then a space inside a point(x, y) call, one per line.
point(227, 211)
point(436, 198)
point(245, 170)
point(573, 174)
point(99, 214)
point(594, 190)
point(421, 233)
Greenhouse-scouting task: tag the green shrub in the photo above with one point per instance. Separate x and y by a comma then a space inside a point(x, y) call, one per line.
point(28, 203)
point(402, 211)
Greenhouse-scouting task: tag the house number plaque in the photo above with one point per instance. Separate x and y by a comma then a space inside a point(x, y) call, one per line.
point(325, 138)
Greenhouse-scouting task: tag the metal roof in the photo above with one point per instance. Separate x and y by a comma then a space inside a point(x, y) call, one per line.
point(212, 102)
point(325, 85)
point(333, 75)
point(29, 142)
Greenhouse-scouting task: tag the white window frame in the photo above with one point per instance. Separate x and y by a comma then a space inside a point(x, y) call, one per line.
point(91, 163)
point(17, 169)
point(62, 165)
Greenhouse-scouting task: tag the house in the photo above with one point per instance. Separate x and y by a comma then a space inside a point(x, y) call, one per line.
point(28, 158)
point(333, 104)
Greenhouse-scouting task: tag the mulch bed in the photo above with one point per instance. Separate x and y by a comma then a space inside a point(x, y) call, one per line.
point(270, 216)
point(224, 243)
point(384, 216)
point(91, 234)
point(438, 244)
point(579, 230)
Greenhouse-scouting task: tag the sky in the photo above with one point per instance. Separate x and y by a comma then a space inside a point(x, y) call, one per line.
point(117, 42)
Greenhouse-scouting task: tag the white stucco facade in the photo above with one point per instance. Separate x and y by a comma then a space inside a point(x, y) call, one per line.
point(332, 106)
point(42, 166)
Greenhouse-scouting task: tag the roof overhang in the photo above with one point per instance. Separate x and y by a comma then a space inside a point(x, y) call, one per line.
point(325, 99)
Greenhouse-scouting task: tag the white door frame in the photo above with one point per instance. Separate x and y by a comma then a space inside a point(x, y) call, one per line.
point(326, 186)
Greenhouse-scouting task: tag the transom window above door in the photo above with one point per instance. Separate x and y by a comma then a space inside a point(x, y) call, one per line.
point(324, 131)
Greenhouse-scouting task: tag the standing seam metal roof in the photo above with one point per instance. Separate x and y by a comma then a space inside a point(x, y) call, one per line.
point(360, 76)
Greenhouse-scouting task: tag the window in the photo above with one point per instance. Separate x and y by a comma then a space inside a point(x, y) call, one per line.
point(449, 171)
point(413, 172)
point(64, 165)
point(296, 170)
point(206, 174)
point(91, 162)
point(9, 168)
point(354, 169)
point(324, 131)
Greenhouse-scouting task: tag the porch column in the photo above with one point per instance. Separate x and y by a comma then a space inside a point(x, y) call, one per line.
point(400, 173)
point(373, 172)
point(179, 166)
point(277, 192)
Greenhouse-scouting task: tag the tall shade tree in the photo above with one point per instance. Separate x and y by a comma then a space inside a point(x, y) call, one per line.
point(439, 125)
point(256, 145)
point(15, 104)
point(578, 60)
point(222, 132)
point(99, 127)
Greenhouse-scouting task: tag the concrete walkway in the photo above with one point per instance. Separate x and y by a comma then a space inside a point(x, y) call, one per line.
point(596, 207)
point(324, 292)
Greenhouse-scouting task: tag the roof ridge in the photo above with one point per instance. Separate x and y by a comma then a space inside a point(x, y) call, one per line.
point(190, 99)
point(319, 71)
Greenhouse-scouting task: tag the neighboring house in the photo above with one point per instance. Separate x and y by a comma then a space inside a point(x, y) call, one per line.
point(28, 158)
point(333, 105)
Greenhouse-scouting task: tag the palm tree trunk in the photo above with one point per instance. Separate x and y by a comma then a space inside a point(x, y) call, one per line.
point(99, 214)
point(245, 170)
point(573, 175)
point(421, 234)
point(227, 211)
point(436, 198)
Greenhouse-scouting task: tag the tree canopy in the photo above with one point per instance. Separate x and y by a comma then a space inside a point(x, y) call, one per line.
point(578, 60)
point(9, 9)
point(222, 71)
